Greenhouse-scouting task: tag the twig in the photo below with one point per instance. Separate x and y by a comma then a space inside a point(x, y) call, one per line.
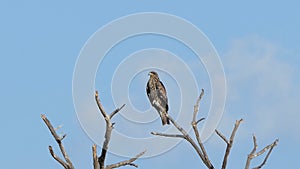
point(253, 155)
point(198, 121)
point(104, 114)
point(68, 164)
point(168, 135)
point(230, 142)
point(126, 162)
point(196, 106)
point(222, 136)
point(116, 111)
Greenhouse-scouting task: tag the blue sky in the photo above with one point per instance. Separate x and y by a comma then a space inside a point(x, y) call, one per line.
point(257, 43)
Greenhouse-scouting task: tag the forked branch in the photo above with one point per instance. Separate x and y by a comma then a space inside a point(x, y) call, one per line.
point(253, 154)
point(198, 148)
point(195, 128)
point(67, 164)
point(229, 143)
point(108, 131)
point(188, 138)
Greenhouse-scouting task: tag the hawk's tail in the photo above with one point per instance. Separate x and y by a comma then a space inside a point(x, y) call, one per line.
point(164, 118)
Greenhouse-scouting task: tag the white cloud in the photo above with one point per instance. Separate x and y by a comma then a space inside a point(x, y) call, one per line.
point(261, 88)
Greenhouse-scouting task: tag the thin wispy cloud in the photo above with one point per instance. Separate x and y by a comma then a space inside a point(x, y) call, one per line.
point(261, 87)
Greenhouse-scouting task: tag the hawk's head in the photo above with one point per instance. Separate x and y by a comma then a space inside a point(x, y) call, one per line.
point(153, 74)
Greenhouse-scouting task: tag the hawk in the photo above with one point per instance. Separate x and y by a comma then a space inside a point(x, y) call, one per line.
point(157, 95)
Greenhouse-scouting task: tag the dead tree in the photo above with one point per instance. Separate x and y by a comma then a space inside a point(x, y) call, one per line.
point(98, 162)
point(200, 149)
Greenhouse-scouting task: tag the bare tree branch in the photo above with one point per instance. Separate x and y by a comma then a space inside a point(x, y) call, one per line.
point(188, 138)
point(196, 106)
point(126, 162)
point(253, 153)
point(195, 128)
point(116, 111)
point(222, 136)
point(200, 150)
point(95, 158)
point(230, 142)
point(59, 160)
point(168, 135)
point(68, 164)
point(266, 148)
point(268, 154)
point(104, 114)
point(108, 131)
point(198, 121)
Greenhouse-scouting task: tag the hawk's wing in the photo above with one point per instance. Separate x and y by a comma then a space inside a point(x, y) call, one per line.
point(162, 94)
point(148, 91)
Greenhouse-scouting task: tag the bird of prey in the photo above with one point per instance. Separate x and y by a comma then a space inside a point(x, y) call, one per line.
point(157, 95)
